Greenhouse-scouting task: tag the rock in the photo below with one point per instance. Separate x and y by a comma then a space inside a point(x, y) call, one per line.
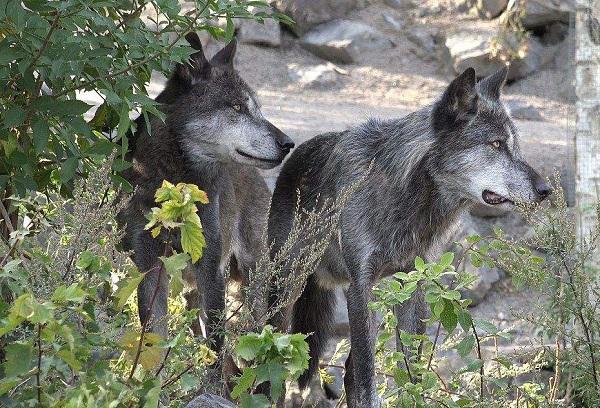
point(399, 4)
point(524, 111)
point(392, 22)
point(266, 33)
point(463, 6)
point(210, 401)
point(542, 12)
point(343, 40)
point(429, 11)
point(491, 8)
point(316, 76)
point(422, 38)
point(467, 49)
point(309, 13)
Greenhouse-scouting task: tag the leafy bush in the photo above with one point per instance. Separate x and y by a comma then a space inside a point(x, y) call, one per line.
point(563, 270)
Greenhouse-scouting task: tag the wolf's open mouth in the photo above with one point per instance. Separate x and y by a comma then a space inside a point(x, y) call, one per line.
point(492, 198)
point(257, 158)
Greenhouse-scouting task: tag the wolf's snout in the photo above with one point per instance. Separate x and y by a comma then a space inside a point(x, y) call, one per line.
point(284, 142)
point(542, 188)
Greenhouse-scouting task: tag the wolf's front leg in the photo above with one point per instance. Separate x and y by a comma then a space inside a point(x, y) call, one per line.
point(210, 276)
point(359, 380)
point(153, 291)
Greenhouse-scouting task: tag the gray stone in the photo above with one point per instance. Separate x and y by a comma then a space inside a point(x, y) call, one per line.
point(316, 76)
point(392, 22)
point(344, 40)
point(542, 12)
point(467, 49)
point(266, 33)
point(309, 13)
point(524, 111)
point(425, 11)
point(399, 4)
point(422, 38)
point(210, 401)
point(491, 8)
point(463, 6)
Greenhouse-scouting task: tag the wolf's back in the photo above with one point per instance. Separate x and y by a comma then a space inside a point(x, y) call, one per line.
point(301, 173)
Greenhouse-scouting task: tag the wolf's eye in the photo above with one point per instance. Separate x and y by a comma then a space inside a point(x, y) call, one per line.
point(237, 107)
point(496, 144)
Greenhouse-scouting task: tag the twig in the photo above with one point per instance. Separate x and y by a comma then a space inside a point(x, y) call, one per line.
point(437, 335)
point(128, 17)
point(481, 369)
point(39, 365)
point(139, 63)
point(162, 365)
point(6, 217)
point(37, 56)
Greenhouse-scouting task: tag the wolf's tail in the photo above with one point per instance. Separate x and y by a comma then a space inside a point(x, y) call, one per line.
point(313, 314)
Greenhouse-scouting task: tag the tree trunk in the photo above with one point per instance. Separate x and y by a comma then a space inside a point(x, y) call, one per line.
point(587, 137)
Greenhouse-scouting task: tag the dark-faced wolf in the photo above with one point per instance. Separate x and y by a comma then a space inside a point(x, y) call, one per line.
point(420, 173)
point(214, 136)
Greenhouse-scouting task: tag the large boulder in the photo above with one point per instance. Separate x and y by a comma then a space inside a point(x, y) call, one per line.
point(491, 8)
point(210, 401)
point(344, 40)
point(474, 49)
point(266, 33)
point(315, 76)
point(309, 13)
point(539, 13)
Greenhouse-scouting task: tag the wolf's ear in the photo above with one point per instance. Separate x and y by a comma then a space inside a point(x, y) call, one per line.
point(197, 67)
point(226, 55)
point(492, 85)
point(459, 100)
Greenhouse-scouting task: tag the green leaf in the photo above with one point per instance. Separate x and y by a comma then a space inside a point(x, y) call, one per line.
point(464, 318)
point(72, 293)
point(14, 117)
point(41, 134)
point(273, 373)
point(18, 359)
point(447, 259)
point(419, 264)
point(489, 327)
point(254, 401)
point(248, 346)
point(67, 171)
point(466, 345)
point(54, 106)
point(175, 263)
point(243, 382)
point(192, 238)
point(448, 317)
point(126, 288)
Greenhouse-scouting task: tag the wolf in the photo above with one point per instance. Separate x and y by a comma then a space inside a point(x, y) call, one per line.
point(216, 137)
point(421, 172)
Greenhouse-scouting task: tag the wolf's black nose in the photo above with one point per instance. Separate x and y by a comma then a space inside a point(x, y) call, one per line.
point(286, 144)
point(542, 188)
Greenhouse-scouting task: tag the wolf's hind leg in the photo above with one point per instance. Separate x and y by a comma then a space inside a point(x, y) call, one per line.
point(313, 314)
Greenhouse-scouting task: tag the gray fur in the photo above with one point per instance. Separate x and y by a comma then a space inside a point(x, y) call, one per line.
point(214, 136)
point(423, 171)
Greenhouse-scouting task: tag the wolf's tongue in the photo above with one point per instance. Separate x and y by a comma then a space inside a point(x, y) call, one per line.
point(492, 198)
